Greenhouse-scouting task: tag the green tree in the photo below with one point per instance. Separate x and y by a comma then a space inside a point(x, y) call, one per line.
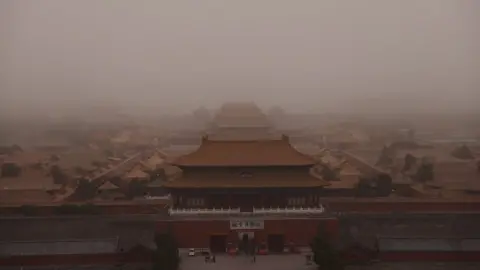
point(364, 187)
point(89, 209)
point(328, 173)
point(28, 210)
point(86, 189)
point(463, 152)
point(10, 170)
point(425, 173)
point(67, 209)
point(384, 185)
point(59, 177)
point(324, 253)
point(410, 161)
point(385, 159)
point(136, 188)
point(158, 174)
point(166, 255)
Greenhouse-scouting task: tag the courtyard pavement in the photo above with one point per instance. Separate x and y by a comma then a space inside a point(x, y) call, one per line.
point(269, 262)
point(297, 262)
point(241, 262)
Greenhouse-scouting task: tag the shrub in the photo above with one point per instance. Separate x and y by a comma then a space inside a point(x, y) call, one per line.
point(28, 210)
point(73, 209)
point(166, 256)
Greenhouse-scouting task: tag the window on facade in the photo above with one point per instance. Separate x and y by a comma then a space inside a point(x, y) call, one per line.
point(195, 202)
point(246, 174)
point(296, 201)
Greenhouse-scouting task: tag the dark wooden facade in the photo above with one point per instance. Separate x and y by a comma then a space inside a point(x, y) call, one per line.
point(246, 198)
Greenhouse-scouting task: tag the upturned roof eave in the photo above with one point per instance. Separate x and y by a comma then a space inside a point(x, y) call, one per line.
point(206, 165)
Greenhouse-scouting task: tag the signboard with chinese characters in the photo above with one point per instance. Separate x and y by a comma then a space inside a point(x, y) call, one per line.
point(246, 224)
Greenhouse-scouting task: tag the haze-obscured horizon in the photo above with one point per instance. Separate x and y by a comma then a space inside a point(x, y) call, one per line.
point(173, 56)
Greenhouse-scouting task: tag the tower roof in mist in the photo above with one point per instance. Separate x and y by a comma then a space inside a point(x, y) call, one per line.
point(240, 114)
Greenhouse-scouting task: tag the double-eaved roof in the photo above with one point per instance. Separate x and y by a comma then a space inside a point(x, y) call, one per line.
point(247, 154)
point(253, 153)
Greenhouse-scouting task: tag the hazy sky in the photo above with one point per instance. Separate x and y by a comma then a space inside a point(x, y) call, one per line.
point(303, 55)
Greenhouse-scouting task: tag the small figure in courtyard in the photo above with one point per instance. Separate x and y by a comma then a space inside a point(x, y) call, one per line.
point(308, 259)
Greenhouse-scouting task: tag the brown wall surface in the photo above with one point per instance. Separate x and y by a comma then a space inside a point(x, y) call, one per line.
point(196, 233)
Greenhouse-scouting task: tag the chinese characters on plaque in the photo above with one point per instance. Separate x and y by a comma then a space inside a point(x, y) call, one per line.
point(246, 224)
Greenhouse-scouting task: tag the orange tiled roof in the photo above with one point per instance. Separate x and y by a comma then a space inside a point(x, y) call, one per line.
point(29, 179)
point(24, 196)
point(26, 158)
point(245, 153)
point(107, 185)
point(258, 180)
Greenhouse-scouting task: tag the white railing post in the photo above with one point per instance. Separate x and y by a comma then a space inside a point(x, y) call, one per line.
point(256, 211)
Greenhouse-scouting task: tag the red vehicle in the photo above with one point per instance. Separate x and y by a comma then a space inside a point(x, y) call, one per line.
point(262, 249)
point(231, 249)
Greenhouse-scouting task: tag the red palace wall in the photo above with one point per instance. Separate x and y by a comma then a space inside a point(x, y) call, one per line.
point(402, 206)
point(196, 233)
point(370, 205)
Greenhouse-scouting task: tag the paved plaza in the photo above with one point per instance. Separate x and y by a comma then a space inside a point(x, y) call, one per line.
point(297, 262)
point(269, 262)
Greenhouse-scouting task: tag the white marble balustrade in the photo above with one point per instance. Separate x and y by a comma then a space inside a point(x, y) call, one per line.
point(256, 211)
point(292, 210)
point(204, 211)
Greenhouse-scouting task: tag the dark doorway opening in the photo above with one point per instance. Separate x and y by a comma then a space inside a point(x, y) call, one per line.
point(276, 242)
point(244, 246)
point(218, 243)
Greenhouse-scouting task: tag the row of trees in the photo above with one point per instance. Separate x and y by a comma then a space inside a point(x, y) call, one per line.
point(87, 190)
point(325, 255)
point(64, 209)
point(166, 255)
point(379, 185)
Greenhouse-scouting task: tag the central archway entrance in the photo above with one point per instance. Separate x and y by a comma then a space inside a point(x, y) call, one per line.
point(246, 242)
